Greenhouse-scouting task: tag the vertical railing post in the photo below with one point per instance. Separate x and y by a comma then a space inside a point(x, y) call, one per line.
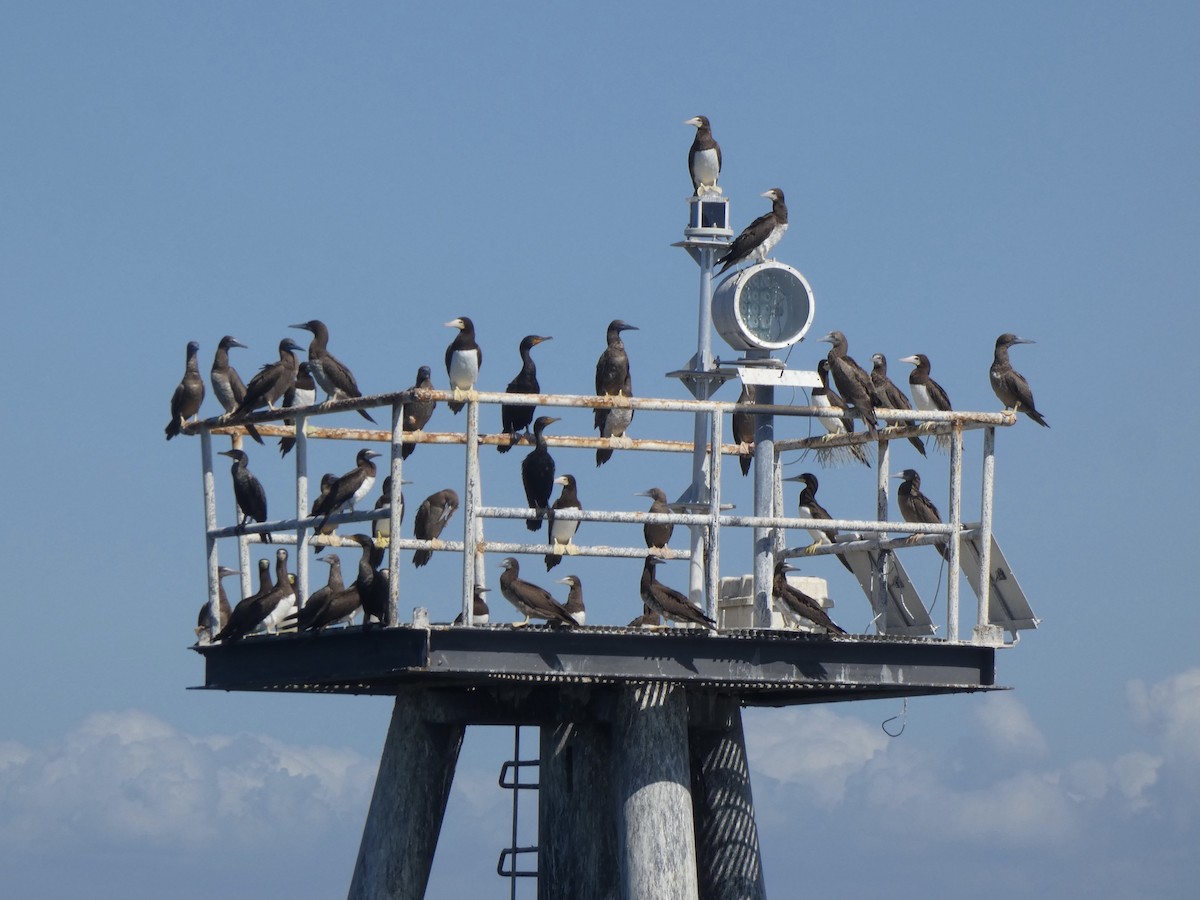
point(764, 503)
point(472, 559)
point(883, 463)
point(983, 614)
point(395, 509)
point(955, 520)
point(714, 512)
point(212, 558)
point(301, 450)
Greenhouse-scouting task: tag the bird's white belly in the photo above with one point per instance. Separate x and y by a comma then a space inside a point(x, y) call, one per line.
point(705, 167)
point(771, 240)
point(921, 399)
point(464, 369)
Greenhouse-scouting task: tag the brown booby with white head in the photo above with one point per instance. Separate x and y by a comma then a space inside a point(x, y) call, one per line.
point(704, 157)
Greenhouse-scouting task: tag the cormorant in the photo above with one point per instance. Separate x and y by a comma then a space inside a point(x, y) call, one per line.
point(743, 430)
point(916, 507)
point(704, 157)
point(329, 372)
point(432, 516)
point(887, 395)
point(574, 603)
point(826, 397)
point(537, 473)
point(349, 489)
point(561, 532)
point(672, 605)
point(927, 394)
point(314, 608)
point(531, 601)
point(761, 235)
point(248, 492)
point(613, 380)
point(372, 584)
point(794, 603)
point(809, 508)
point(254, 610)
point(463, 361)
point(272, 381)
point(303, 392)
point(189, 393)
point(1009, 385)
point(515, 418)
point(657, 535)
point(479, 608)
point(851, 380)
point(418, 412)
point(205, 627)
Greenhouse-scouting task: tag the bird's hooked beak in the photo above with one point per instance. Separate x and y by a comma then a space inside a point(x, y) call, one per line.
point(795, 478)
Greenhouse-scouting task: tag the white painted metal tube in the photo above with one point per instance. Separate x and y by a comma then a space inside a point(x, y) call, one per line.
point(952, 579)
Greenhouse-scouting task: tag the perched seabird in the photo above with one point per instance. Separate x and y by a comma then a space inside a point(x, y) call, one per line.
point(254, 610)
point(479, 608)
point(743, 430)
point(809, 508)
point(417, 413)
point(281, 602)
point(372, 583)
point(315, 606)
point(189, 393)
point(432, 516)
point(248, 492)
point(537, 473)
point(657, 536)
point(888, 396)
point(303, 392)
point(927, 394)
point(648, 619)
point(327, 482)
point(341, 606)
point(205, 626)
point(795, 604)
point(575, 598)
point(531, 601)
point(272, 381)
point(672, 605)
point(349, 489)
point(561, 531)
point(515, 418)
point(1009, 385)
point(228, 387)
point(851, 380)
point(704, 157)
point(916, 507)
point(247, 605)
point(381, 529)
point(825, 397)
point(463, 360)
point(613, 380)
point(329, 372)
point(761, 235)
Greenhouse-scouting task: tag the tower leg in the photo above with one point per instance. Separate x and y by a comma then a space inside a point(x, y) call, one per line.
point(656, 844)
point(405, 817)
point(729, 864)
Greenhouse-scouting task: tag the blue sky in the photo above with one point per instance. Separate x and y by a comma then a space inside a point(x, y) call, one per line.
point(953, 171)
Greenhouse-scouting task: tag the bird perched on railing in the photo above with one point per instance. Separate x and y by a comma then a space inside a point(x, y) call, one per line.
point(272, 381)
point(851, 379)
point(349, 489)
point(514, 418)
point(205, 626)
point(381, 529)
point(432, 516)
point(463, 361)
point(537, 473)
point(927, 394)
point(253, 611)
point(574, 604)
point(743, 429)
point(417, 413)
point(248, 492)
point(562, 531)
point(795, 604)
point(657, 536)
point(329, 372)
point(189, 393)
point(915, 507)
point(228, 387)
point(887, 395)
point(760, 236)
point(704, 157)
point(825, 397)
point(531, 601)
point(668, 602)
point(479, 608)
point(303, 392)
point(1010, 386)
point(809, 508)
point(613, 380)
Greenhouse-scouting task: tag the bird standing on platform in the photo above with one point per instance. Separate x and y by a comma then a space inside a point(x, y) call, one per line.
point(743, 430)
point(479, 609)
point(704, 157)
point(515, 418)
point(561, 531)
point(574, 604)
point(303, 392)
point(825, 397)
point(248, 492)
point(1009, 385)
point(657, 536)
point(613, 380)
point(915, 507)
point(809, 508)
point(760, 236)
point(272, 381)
point(887, 395)
point(432, 516)
point(851, 379)
point(796, 604)
point(189, 393)
point(537, 473)
point(247, 605)
point(349, 489)
point(417, 413)
point(315, 606)
point(372, 583)
point(531, 601)
point(463, 361)
point(927, 394)
point(329, 372)
point(205, 626)
point(254, 610)
point(668, 602)
point(648, 619)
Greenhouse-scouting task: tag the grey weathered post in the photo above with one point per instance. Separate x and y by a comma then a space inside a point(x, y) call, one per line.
point(411, 789)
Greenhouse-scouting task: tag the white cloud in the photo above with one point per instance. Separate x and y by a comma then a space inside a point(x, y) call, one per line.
point(1171, 708)
point(1008, 727)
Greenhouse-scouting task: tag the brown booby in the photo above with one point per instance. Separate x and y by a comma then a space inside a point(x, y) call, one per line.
point(613, 380)
point(272, 381)
point(432, 516)
point(341, 606)
point(743, 429)
point(795, 604)
point(515, 418)
point(809, 508)
point(253, 611)
point(189, 393)
point(825, 397)
point(561, 531)
point(463, 361)
point(537, 473)
point(574, 604)
point(760, 236)
point(303, 392)
point(915, 507)
point(927, 394)
point(851, 379)
point(314, 607)
point(417, 413)
point(704, 157)
point(1009, 385)
point(657, 536)
point(205, 626)
point(531, 601)
point(349, 489)
point(329, 372)
point(381, 529)
point(888, 396)
point(228, 387)
point(668, 602)
point(248, 492)
point(479, 608)
point(648, 619)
